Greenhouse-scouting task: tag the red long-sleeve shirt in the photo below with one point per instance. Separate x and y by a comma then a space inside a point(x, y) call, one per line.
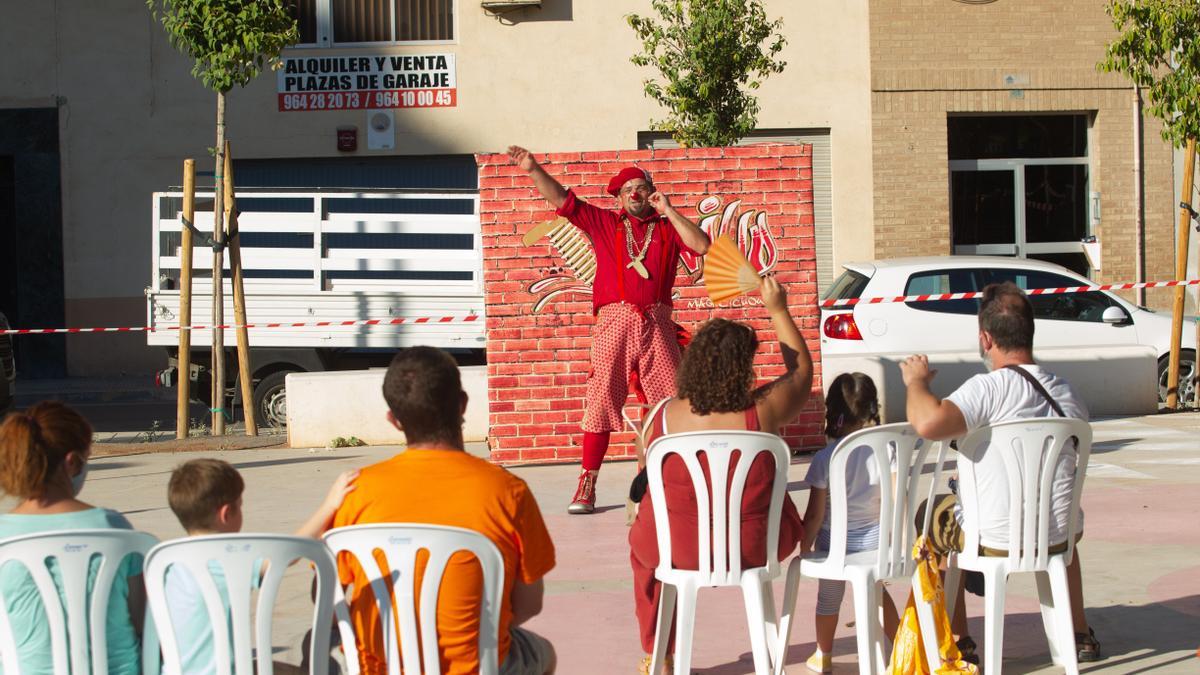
point(614, 281)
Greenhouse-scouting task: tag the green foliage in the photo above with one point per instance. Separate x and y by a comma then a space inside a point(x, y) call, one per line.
point(1159, 49)
point(709, 53)
point(151, 435)
point(229, 40)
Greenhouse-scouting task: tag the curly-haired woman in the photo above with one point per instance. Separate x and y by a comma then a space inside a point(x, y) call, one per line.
point(715, 391)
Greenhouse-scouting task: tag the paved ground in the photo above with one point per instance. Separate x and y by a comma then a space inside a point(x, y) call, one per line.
point(1141, 554)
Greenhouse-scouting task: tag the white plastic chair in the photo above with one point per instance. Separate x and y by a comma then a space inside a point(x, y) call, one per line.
point(719, 546)
point(892, 445)
point(239, 557)
point(400, 544)
point(82, 620)
point(1030, 449)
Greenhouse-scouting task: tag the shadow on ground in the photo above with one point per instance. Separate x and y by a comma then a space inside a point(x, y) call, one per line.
point(1134, 639)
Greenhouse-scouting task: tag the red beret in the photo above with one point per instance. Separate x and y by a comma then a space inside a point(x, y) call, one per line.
point(627, 174)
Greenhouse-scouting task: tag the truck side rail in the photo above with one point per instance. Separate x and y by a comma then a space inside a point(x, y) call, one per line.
point(331, 256)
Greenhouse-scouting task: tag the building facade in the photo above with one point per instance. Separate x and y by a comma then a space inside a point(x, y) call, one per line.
point(994, 133)
point(118, 104)
point(937, 127)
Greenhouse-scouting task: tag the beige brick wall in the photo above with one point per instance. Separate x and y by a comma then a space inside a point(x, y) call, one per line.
point(931, 59)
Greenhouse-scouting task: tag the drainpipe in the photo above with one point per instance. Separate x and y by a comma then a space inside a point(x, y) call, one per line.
point(1139, 222)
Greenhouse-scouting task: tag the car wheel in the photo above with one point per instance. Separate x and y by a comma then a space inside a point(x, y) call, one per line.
point(270, 400)
point(1187, 376)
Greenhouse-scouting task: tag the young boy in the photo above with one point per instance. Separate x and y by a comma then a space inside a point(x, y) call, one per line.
point(206, 497)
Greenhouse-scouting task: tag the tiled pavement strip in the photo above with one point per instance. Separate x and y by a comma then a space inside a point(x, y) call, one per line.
point(1141, 555)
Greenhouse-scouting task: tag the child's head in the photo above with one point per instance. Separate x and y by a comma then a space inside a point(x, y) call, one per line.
point(851, 404)
point(44, 450)
point(206, 496)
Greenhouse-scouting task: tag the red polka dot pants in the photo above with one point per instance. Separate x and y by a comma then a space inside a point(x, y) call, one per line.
point(625, 340)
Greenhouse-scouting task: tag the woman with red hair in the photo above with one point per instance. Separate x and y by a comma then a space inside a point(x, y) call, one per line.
point(43, 463)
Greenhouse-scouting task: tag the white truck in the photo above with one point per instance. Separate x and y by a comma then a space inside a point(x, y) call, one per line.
point(328, 255)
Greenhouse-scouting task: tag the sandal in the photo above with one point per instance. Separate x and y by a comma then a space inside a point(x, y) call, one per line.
point(966, 649)
point(1087, 647)
point(668, 665)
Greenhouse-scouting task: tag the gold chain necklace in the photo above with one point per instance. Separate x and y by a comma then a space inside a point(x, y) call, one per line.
point(635, 259)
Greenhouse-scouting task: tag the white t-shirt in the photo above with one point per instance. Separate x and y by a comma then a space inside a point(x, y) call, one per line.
point(1003, 395)
point(862, 485)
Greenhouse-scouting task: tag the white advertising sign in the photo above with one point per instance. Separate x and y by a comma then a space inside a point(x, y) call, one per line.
point(308, 83)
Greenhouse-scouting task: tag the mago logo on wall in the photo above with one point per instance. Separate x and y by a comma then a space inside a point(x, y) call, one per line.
point(748, 228)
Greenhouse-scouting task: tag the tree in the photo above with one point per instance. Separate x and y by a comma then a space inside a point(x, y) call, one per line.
point(1159, 49)
point(709, 53)
point(231, 41)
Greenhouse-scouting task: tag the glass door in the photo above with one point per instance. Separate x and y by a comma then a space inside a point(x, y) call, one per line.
point(1031, 206)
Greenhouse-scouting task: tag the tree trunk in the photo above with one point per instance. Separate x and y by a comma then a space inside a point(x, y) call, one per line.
point(218, 282)
point(1181, 247)
point(239, 298)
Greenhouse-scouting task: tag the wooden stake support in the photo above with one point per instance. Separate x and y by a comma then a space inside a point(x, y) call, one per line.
point(1181, 249)
point(239, 299)
point(183, 379)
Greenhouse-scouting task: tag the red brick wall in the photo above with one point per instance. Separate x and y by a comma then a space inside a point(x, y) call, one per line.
point(538, 361)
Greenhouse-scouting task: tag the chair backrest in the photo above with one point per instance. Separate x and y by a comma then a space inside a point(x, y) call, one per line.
point(719, 510)
point(1030, 450)
point(75, 620)
point(894, 447)
point(238, 558)
point(400, 543)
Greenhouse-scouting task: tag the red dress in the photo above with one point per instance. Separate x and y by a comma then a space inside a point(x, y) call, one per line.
point(681, 504)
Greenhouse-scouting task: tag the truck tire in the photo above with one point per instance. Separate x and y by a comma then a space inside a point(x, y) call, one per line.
point(1187, 376)
point(270, 400)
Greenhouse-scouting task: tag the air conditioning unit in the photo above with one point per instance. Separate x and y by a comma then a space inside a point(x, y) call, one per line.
point(500, 6)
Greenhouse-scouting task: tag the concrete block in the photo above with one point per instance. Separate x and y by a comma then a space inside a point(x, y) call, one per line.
point(1111, 380)
point(323, 406)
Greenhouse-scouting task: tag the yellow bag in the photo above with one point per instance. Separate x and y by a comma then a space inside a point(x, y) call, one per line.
point(908, 652)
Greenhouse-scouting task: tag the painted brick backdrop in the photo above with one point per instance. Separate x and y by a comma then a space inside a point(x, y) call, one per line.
point(538, 361)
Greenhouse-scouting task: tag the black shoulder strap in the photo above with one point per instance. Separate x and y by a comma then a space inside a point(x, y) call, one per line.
point(1037, 385)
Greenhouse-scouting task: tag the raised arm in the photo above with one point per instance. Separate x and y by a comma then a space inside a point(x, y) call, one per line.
point(931, 417)
point(785, 397)
point(689, 233)
point(552, 190)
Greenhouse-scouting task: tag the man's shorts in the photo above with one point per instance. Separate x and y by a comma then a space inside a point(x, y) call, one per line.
point(528, 653)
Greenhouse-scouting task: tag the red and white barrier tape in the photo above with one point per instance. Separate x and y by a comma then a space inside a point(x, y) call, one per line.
point(934, 297)
point(395, 321)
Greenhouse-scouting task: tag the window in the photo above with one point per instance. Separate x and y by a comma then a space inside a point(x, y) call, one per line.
point(325, 23)
point(849, 286)
point(1088, 306)
point(1019, 186)
point(944, 281)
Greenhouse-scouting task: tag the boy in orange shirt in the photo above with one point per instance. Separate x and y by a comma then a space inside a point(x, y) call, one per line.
point(435, 481)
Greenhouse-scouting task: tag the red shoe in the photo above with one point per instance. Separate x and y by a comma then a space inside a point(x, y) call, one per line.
point(584, 500)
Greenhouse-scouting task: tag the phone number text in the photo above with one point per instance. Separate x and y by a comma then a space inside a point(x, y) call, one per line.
point(366, 100)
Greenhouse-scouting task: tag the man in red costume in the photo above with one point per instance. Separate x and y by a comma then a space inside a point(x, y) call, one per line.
point(637, 250)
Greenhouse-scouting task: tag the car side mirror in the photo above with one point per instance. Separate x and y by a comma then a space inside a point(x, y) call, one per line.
point(1114, 315)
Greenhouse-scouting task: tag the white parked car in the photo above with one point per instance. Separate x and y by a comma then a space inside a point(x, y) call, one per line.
point(1113, 352)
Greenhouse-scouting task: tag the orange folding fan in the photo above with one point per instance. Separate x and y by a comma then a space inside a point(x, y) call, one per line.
point(727, 273)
